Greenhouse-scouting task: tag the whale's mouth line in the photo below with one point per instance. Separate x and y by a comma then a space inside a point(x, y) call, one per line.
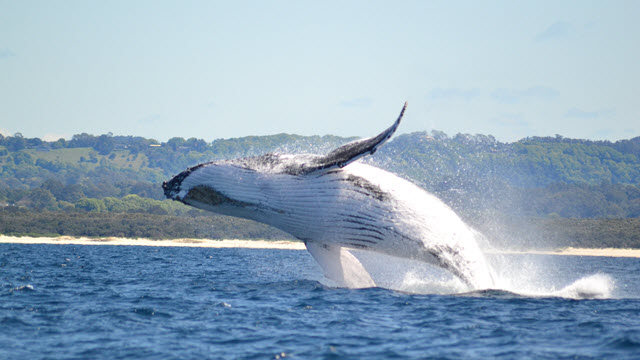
point(207, 195)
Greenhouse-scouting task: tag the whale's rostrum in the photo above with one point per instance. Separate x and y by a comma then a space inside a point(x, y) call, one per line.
point(335, 205)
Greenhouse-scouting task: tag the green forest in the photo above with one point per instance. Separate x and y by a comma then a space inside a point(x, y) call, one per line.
point(567, 192)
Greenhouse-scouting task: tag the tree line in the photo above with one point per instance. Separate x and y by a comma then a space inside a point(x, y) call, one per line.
point(26, 222)
point(538, 176)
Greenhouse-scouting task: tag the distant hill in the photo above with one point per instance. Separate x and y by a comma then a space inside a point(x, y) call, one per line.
point(537, 176)
point(576, 192)
point(551, 176)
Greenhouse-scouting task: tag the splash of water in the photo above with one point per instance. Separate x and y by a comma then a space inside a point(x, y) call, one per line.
point(532, 277)
point(520, 276)
point(410, 276)
point(423, 216)
point(524, 277)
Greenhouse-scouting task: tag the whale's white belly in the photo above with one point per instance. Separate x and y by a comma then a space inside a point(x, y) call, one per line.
point(361, 207)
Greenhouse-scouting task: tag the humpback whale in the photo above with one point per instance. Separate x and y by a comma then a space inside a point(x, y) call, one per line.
point(336, 205)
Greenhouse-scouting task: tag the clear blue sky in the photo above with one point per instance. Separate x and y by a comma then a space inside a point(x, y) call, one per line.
point(220, 69)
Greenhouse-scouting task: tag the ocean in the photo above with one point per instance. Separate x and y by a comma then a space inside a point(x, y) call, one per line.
point(137, 302)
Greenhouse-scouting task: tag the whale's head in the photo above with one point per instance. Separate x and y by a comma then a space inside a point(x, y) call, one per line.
point(221, 187)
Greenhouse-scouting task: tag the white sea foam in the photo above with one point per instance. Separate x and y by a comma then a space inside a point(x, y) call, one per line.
point(536, 276)
point(414, 283)
point(529, 276)
point(596, 286)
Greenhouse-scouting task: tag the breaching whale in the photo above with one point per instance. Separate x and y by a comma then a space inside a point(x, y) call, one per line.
point(336, 205)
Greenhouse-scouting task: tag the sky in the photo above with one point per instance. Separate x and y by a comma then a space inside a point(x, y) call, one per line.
point(223, 69)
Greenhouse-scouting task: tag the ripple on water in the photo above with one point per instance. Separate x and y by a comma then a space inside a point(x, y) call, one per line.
point(125, 304)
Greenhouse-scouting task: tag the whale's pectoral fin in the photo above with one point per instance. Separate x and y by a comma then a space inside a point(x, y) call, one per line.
point(340, 265)
point(352, 151)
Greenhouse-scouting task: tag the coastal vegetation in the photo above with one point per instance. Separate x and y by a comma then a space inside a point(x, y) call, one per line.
point(536, 192)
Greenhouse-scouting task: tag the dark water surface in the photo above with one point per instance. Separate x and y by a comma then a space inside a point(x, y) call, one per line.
point(110, 302)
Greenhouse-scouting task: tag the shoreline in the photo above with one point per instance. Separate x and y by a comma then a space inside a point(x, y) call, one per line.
point(572, 251)
point(226, 243)
point(278, 244)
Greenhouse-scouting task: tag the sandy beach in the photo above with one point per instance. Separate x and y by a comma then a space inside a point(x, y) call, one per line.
point(571, 251)
point(274, 244)
point(231, 243)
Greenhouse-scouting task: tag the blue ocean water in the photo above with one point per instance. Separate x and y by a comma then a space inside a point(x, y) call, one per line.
point(111, 302)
